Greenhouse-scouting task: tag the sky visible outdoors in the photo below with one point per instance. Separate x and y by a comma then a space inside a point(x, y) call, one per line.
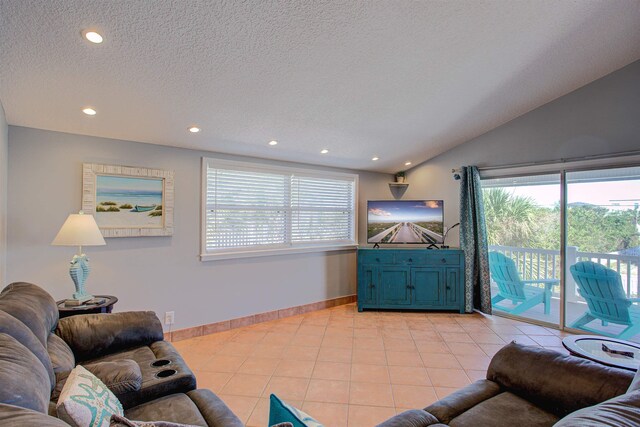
point(406, 210)
point(614, 195)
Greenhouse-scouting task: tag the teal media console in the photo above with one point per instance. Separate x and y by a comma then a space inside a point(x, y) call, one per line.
point(411, 279)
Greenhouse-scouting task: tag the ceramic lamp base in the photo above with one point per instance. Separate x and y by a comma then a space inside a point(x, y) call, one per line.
point(79, 271)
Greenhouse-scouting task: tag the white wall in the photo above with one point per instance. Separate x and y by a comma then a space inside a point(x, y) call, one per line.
point(4, 146)
point(600, 118)
point(156, 273)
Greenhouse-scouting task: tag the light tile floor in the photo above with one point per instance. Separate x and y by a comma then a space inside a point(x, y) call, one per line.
point(352, 369)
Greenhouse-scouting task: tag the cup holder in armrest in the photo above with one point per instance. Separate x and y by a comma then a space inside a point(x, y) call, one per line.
point(160, 362)
point(166, 373)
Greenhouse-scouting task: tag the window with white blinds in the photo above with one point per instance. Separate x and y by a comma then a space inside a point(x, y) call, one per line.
point(251, 209)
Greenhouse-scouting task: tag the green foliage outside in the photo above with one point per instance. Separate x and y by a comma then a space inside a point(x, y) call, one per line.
point(155, 213)
point(511, 220)
point(159, 207)
point(108, 203)
point(517, 221)
point(126, 206)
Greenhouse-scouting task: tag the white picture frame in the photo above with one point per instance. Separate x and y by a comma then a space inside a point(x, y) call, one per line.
point(128, 201)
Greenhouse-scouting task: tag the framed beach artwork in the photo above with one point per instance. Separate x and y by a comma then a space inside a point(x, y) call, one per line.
point(128, 201)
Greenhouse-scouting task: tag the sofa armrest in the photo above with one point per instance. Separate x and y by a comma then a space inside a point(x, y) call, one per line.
point(213, 409)
point(411, 418)
point(93, 335)
point(558, 383)
point(462, 400)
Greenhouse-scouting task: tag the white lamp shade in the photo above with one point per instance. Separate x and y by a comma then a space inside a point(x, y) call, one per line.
point(79, 230)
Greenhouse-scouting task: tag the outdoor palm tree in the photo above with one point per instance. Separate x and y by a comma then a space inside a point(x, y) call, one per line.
point(510, 219)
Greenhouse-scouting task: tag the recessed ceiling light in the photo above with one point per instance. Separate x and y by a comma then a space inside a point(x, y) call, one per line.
point(89, 111)
point(194, 129)
point(274, 142)
point(324, 151)
point(407, 163)
point(375, 159)
point(93, 37)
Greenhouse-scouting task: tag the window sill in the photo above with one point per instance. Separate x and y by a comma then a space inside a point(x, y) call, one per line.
point(275, 252)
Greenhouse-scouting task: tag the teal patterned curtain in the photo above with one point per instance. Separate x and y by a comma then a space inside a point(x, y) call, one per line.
point(473, 240)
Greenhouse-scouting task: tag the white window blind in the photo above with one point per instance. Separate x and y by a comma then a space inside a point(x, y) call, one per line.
point(322, 209)
point(250, 209)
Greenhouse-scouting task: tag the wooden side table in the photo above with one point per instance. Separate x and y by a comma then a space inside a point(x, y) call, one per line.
point(105, 307)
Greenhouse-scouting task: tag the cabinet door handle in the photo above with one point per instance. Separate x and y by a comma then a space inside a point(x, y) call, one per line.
point(373, 286)
point(410, 259)
point(448, 288)
point(377, 259)
point(444, 260)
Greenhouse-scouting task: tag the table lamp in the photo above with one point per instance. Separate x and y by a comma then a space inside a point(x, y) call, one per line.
point(79, 230)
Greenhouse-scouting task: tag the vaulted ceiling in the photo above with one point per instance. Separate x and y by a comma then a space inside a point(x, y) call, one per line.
point(399, 80)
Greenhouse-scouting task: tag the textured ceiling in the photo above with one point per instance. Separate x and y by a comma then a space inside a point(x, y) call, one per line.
point(402, 80)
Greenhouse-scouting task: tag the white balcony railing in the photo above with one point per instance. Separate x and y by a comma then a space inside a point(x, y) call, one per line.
point(536, 263)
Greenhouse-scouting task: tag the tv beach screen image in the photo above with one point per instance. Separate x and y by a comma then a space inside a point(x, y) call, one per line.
point(128, 202)
point(406, 221)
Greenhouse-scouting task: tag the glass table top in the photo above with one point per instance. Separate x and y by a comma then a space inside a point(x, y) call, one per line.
point(606, 350)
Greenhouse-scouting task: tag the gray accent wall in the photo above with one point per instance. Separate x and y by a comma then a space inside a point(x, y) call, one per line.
point(4, 147)
point(600, 118)
point(156, 273)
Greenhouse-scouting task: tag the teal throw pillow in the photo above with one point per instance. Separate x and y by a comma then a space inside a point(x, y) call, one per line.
point(86, 402)
point(280, 412)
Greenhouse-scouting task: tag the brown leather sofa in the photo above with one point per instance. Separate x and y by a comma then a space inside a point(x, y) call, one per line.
point(531, 386)
point(125, 350)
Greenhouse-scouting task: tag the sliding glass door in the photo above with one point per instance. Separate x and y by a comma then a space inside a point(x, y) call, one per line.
point(603, 252)
point(597, 262)
point(523, 227)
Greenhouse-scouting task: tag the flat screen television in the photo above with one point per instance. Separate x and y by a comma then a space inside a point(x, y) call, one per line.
point(405, 221)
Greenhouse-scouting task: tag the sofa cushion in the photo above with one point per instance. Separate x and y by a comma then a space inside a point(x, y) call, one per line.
point(86, 402)
point(24, 381)
point(18, 330)
point(15, 416)
point(119, 421)
point(635, 383)
point(178, 408)
point(33, 306)
point(505, 410)
point(60, 354)
point(560, 384)
point(197, 407)
point(120, 376)
point(621, 411)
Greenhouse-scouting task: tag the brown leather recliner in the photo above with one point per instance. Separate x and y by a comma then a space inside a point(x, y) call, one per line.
point(125, 350)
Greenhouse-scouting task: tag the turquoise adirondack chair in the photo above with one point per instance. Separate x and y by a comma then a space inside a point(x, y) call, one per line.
point(511, 287)
point(606, 300)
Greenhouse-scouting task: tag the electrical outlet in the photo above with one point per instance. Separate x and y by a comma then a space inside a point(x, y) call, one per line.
point(169, 317)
